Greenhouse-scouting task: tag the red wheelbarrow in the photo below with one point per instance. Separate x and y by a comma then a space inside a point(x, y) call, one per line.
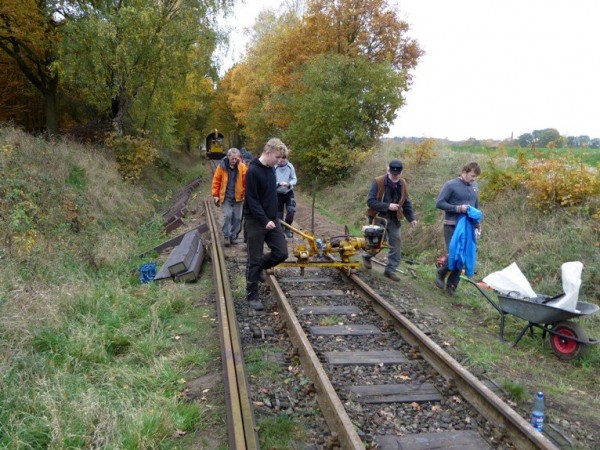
point(568, 339)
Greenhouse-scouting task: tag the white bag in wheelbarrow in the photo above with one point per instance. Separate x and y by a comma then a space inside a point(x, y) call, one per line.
point(510, 282)
point(571, 282)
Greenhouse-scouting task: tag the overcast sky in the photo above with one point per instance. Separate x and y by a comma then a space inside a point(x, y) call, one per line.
point(493, 68)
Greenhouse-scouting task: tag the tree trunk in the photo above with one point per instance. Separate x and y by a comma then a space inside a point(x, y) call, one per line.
point(120, 106)
point(51, 109)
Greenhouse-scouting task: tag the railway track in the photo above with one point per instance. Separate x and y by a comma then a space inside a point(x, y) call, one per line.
point(379, 381)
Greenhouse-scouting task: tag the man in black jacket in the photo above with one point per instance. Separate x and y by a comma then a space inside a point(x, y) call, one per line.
point(388, 199)
point(261, 222)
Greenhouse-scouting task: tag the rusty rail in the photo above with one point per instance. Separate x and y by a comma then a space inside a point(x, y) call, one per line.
point(240, 414)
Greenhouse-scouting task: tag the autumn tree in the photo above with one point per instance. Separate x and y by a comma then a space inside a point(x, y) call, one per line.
point(131, 57)
point(300, 71)
point(29, 35)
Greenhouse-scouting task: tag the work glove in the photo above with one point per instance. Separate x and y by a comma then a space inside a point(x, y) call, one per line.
point(217, 202)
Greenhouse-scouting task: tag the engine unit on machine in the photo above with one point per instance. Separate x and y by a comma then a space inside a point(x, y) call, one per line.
point(374, 236)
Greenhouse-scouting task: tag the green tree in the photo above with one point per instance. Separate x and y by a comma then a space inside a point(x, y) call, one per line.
point(525, 140)
point(343, 104)
point(543, 137)
point(132, 57)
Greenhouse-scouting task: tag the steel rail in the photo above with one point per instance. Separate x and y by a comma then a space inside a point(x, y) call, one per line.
point(479, 396)
point(240, 414)
point(332, 407)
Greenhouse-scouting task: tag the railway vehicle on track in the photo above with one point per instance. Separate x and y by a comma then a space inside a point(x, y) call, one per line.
point(215, 145)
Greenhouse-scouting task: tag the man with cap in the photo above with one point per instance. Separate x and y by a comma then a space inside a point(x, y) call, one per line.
point(388, 199)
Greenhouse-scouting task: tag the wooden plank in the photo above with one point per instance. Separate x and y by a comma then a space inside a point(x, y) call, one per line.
point(447, 440)
point(305, 280)
point(182, 256)
point(345, 330)
point(316, 293)
point(396, 393)
point(192, 274)
point(329, 310)
point(173, 225)
point(365, 358)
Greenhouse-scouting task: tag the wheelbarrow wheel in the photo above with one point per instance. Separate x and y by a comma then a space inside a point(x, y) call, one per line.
point(566, 348)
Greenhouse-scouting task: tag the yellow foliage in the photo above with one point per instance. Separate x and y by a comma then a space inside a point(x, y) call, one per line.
point(133, 154)
point(561, 182)
point(421, 153)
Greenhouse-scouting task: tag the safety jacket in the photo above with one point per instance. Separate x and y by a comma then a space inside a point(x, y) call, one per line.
point(219, 181)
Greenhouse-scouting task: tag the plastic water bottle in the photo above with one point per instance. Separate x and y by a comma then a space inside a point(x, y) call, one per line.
point(537, 415)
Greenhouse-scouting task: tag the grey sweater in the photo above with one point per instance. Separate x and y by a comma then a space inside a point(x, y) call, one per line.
point(455, 193)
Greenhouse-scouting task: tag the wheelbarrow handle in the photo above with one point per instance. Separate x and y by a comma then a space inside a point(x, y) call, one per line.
point(495, 305)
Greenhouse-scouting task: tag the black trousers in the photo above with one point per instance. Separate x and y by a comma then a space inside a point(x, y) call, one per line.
point(258, 236)
point(454, 277)
point(287, 201)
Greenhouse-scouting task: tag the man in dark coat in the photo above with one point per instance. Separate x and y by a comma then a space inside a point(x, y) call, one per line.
point(388, 199)
point(260, 218)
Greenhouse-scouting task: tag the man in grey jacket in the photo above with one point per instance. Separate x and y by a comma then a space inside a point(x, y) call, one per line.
point(285, 175)
point(454, 199)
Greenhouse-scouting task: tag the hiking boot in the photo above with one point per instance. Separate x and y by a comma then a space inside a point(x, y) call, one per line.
point(367, 263)
point(440, 279)
point(288, 233)
point(391, 275)
point(451, 290)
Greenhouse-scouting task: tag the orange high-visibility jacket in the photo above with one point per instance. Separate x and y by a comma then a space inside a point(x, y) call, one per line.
point(219, 182)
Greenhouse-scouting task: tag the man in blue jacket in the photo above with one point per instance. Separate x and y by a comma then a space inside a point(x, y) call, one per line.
point(454, 199)
point(261, 221)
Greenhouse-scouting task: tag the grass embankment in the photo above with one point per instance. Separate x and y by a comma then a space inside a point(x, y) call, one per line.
point(513, 231)
point(89, 357)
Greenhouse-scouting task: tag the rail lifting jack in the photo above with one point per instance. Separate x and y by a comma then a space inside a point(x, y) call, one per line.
point(335, 251)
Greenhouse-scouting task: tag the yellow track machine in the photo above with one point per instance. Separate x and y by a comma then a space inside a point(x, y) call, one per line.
point(336, 251)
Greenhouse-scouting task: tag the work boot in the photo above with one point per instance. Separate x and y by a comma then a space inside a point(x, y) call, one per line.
point(440, 278)
point(451, 289)
point(391, 275)
point(253, 300)
point(367, 263)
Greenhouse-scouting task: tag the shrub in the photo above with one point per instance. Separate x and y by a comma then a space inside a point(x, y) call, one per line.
point(133, 154)
point(560, 182)
point(421, 153)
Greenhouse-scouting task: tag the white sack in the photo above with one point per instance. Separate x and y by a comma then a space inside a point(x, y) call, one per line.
point(510, 279)
point(571, 282)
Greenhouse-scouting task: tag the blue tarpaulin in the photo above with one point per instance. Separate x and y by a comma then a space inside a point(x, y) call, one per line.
point(147, 272)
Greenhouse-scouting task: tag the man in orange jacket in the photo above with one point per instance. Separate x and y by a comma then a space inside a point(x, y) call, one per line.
point(228, 191)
